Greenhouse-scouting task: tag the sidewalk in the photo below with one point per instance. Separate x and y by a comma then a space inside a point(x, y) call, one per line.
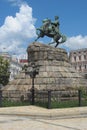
point(39, 112)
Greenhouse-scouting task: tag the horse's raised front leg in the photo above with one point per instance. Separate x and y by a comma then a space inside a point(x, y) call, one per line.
point(37, 38)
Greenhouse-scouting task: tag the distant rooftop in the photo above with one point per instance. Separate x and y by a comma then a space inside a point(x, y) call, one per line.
point(83, 49)
point(5, 54)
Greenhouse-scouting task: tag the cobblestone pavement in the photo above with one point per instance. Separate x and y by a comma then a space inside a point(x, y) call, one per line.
point(26, 123)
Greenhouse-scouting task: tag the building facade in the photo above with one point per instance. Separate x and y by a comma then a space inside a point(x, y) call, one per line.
point(23, 62)
point(6, 56)
point(78, 59)
point(15, 66)
point(15, 69)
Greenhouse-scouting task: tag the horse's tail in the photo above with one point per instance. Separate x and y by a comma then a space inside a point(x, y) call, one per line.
point(63, 38)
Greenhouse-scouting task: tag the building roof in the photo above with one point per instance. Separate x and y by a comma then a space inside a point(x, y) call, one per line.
point(79, 50)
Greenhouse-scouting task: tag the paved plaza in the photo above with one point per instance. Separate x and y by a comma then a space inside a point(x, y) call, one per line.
point(27, 123)
point(36, 118)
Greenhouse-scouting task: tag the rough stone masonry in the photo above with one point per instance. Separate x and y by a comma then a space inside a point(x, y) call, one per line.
point(55, 72)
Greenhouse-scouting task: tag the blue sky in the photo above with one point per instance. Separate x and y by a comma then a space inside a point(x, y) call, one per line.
point(20, 18)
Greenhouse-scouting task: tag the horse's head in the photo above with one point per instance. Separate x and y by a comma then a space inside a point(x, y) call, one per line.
point(39, 33)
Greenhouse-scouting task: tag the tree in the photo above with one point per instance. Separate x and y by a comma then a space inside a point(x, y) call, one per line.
point(4, 71)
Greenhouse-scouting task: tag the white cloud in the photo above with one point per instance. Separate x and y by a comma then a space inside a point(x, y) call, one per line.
point(16, 31)
point(75, 42)
point(16, 2)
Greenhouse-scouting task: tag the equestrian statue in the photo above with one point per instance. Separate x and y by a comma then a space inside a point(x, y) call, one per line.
point(51, 29)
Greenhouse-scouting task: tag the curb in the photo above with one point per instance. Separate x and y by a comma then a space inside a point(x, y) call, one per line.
point(47, 116)
point(37, 112)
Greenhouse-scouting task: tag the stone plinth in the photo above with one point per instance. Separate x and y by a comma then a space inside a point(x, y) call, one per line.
point(55, 71)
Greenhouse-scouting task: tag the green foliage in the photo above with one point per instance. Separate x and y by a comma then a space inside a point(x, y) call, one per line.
point(4, 71)
point(84, 95)
point(65, 104)
point(8, 103)
point(68, 101)
point(41, 104)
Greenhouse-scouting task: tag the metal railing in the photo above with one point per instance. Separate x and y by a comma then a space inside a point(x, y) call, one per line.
point(45, 98)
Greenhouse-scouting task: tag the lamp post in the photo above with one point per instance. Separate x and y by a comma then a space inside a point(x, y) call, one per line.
point(33, 72)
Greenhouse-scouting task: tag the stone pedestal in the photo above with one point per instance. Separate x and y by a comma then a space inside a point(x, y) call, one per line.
point(55, 71)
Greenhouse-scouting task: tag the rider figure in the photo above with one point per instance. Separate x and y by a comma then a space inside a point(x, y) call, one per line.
point(51, 27)
point(46, 23)
point(55, 25)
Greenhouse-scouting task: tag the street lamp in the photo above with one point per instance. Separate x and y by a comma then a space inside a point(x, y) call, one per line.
point(33, 71)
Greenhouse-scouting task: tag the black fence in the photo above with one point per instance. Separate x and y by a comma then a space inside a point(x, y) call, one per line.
point(48, 99)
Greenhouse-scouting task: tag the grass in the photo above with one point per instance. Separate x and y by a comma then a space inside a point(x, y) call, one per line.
point(54, 104)
point(63, 104)
point(6, 103)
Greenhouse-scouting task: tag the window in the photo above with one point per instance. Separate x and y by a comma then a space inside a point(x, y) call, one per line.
point(85, 66)
point(74, 58)
point(84, 57)
point(75, 67)
point(80, 67)
point(84, 51)
point(85, 76)
point(79, 57)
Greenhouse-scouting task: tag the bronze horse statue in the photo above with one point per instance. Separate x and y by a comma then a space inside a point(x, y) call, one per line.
point(51, 29)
